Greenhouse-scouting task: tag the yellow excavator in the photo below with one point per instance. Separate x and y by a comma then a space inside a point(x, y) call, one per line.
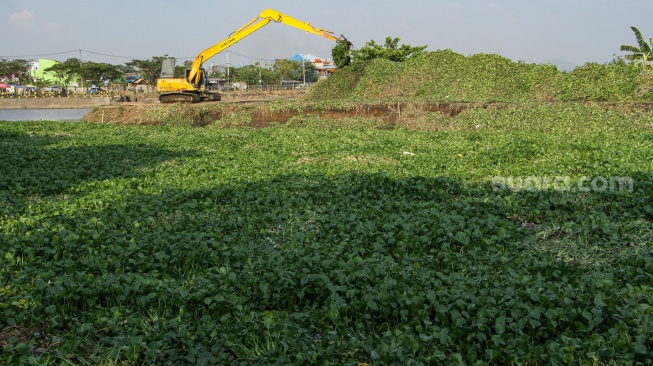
point(193, 87)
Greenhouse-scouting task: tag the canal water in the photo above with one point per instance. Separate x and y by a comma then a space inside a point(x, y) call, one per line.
point(69, 115)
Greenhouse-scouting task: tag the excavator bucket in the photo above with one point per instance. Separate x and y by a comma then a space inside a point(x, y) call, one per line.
point(341, 53)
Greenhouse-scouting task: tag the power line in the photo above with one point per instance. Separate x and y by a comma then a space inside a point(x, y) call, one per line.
point(44, 54)
point(125, 57)
point(252, 58)
point(62, 53)
point(104, 54)
point(232, 52)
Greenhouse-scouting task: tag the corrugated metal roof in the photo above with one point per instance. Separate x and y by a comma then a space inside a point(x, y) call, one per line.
point(308, 57)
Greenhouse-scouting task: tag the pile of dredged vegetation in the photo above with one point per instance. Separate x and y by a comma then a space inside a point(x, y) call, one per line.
point(445, 75)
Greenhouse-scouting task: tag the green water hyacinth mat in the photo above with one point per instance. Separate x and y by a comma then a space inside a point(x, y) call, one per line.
point(135, 245)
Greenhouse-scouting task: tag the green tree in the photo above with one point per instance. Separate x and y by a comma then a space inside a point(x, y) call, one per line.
point(150, 70)
point(253, 74)
point(97, 73)
point(17, 69)
point(640, 52)
point(295, 70)
point(67, 71)
point(389, 51)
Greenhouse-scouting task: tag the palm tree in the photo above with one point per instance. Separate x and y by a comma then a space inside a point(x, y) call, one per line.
point(642, 52)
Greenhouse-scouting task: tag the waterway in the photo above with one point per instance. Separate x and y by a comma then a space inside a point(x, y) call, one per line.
point(69, 115)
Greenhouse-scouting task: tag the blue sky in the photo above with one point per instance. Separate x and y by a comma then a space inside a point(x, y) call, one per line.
point(117, 31)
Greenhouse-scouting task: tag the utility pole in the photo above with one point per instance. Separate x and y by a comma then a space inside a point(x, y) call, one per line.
point(228, 67)
point(260, 81)
point(81, 65)
point(304, 69)
point(34, 78)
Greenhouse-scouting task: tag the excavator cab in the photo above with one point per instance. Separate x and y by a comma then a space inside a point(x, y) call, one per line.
point(168, 67)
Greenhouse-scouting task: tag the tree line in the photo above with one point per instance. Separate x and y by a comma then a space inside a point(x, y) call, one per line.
point(20, 71)
point(74, 69)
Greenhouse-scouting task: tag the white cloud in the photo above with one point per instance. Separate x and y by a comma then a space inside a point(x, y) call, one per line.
point(23, 18)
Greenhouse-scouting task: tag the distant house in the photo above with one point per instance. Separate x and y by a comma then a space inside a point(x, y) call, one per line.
point(216, 83)
point(292, 83)
point(323, 67)
point(38, 71)
point(135, 80)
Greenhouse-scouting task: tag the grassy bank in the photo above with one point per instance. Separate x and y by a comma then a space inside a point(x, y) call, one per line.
point(445, 75)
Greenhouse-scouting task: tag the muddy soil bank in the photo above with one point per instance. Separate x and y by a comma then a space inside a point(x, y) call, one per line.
point(257, 113)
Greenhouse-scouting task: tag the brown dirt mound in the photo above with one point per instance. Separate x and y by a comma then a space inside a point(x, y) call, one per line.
point(258, 115)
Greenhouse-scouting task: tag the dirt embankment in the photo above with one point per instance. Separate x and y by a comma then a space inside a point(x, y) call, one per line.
point(255, 112)
point(252, 109)
point(147, 110)
point(262, 96)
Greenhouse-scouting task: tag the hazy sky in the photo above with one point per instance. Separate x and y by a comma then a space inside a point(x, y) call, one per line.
point(117, 31)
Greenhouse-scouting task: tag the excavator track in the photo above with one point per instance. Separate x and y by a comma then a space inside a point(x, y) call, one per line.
point(185, 97)
point(179, 98)
point(211, 96)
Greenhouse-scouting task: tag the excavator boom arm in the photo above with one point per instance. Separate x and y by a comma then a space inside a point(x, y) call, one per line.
point(267, 16)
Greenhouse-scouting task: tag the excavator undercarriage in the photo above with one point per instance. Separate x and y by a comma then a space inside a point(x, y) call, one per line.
point(189, 97)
